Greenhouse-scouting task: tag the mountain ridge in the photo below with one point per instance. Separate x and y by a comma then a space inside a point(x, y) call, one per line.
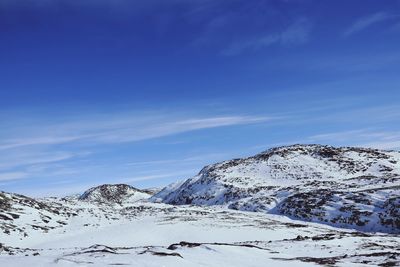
point(350, 187)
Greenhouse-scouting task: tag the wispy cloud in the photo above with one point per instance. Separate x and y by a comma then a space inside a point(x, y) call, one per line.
point(339, 136)
point(361, 137)
point(158, 129)
point(366, 22)
point(8, 176)
point(389, 145)
point(178, 174)
point(295, 34)
point(47, 140)
point(352, 64)
point(180, 161)
point(130, 129)
point(50, 150)
point(31, 157)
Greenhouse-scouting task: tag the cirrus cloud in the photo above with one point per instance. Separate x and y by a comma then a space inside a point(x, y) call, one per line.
point(366, 22)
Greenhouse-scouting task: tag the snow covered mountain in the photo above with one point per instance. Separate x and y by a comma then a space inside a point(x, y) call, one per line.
point(346, 187)
point(297, 191)
point(114, 194)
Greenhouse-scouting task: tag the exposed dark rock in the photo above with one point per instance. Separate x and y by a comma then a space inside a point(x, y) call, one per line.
point(110, 193)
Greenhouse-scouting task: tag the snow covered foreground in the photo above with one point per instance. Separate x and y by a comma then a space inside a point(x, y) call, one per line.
point(155, 234)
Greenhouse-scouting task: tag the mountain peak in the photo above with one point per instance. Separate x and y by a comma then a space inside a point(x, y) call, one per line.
point(113, 194)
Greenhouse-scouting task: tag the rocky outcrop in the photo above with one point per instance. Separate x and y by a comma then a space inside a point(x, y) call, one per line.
point(18, 213)
point(114, 194)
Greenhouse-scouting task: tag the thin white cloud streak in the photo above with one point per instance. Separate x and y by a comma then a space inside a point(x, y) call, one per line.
point(9, 176)
point(295, 34)
point(353, 63)
point(195, 159)
point(182, 174)
point(40, 149)
point(27, 158)
point(388, 145)
point(160, 129)
point(337, 64)
point(343, 113)
point(365, 22)
point(156, 162)
point(47, 140)
point(337, 136)
point(362, 137)
point(120, 131)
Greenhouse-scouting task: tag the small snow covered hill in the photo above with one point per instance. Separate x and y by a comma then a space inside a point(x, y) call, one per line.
point(23, 217)
point(114, 194)
point(347, 187)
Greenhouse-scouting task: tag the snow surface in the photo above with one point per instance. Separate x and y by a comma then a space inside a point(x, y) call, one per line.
point(141, 234)
point(302, 195)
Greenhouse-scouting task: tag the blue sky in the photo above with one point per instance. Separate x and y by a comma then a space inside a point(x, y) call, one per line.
point(148, 92)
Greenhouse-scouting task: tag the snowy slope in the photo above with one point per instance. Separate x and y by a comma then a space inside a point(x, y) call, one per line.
point(347, 187)
point(20, 216)
point(156, 234)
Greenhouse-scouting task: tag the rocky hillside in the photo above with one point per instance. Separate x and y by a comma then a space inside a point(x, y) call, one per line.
point(114, 194)
point(22, 217)
point(20, 214)
point(347, 187)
